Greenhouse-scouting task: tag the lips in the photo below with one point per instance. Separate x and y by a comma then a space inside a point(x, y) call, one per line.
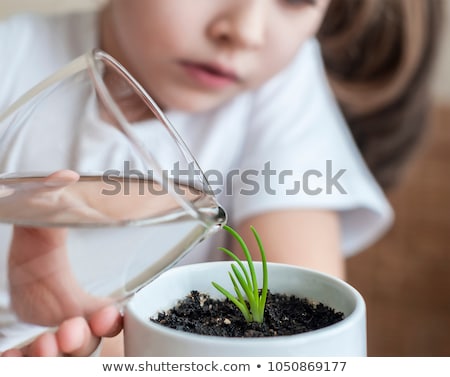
point(210, 75)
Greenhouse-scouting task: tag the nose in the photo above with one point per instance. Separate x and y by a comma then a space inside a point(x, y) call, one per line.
point(243, 23)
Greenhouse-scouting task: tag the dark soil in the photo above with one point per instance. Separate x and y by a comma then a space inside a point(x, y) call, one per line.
point(284, 315)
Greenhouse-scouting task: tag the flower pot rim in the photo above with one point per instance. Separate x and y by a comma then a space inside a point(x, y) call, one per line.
point(323, 332)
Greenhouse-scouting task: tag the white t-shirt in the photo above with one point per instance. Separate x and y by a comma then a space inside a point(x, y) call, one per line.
point(282, 146)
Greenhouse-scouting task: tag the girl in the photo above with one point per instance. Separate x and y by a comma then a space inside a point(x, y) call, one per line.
point(249, 75)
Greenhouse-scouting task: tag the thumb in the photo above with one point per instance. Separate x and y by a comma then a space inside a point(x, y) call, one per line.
point(29, 243)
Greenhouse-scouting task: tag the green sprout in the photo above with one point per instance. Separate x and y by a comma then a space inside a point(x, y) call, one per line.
point(244, 280)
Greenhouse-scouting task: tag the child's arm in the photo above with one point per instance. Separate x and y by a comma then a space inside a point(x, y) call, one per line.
point(308, 238)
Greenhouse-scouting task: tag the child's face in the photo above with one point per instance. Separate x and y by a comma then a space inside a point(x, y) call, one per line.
point(194, 55)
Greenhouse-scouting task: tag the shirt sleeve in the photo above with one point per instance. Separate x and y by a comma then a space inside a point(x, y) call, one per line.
point(33, 46)
point(299, 153)
point(21, 41)
point(11, 56)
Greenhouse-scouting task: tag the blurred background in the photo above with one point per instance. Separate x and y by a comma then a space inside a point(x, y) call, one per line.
point(405, 277)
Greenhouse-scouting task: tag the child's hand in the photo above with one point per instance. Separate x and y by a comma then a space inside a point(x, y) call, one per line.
point(42, 286)
point(44, 292)
point(75, 336)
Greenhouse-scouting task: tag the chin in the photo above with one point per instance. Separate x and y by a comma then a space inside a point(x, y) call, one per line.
point(192, 104)
point(183, 98)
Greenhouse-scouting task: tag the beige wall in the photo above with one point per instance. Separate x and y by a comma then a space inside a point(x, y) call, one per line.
point(441, 82)
point(10, 6)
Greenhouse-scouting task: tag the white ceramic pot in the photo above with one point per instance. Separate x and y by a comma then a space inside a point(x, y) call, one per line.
point(146, 338)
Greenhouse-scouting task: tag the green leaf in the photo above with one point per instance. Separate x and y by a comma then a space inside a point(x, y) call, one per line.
point(248, 256)
point(243, 308)
point(246, 280)
point(265, 273)
point(239, 262)
point(247, 289)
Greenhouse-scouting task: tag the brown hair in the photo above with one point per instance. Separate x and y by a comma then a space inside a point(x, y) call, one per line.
point(379, 55)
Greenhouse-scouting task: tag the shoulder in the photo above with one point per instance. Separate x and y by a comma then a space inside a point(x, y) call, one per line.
point(32, 46)
point(298, 134)
point(42, 32)
point(16, 31)
point(296, 104)
point(299, 98)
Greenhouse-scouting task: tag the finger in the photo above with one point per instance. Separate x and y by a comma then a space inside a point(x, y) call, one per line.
point(44, 345)
point(12, 353)
point(106, 322)
point(61, 178)
point(27, 242)
point(75, 338)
